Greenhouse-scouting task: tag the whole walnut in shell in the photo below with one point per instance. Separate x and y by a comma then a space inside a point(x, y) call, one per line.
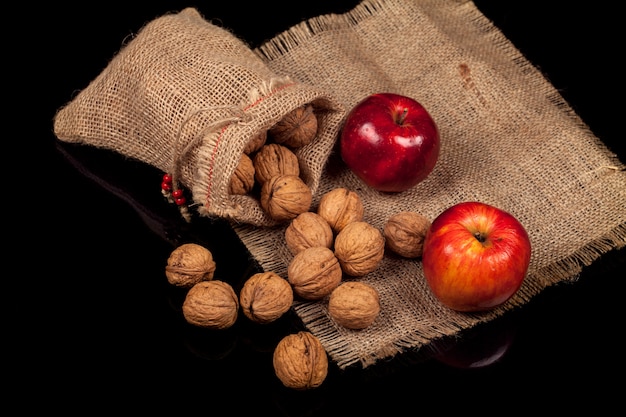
point(189, 264)
point(354, 305)
point(265, 297)
point(300, 361)
point(273, 160)
point(314, 272)
point(306, 230)
point(297, 128)
point(339, 207)
point(211, 304)
point(405, 232)
point(242, 180)
point(283, 197)
point(360, 248)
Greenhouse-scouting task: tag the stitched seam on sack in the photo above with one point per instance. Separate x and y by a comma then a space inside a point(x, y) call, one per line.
point(221, 135)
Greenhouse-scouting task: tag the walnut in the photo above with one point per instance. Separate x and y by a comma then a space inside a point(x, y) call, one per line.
point(255, 143)
point(189, 264)
point(300, 361)
point(339, 207)
point(242, 180)
point(314, 273)
point(359, 247)
point(265, 296)
point(404, 233)
point(297, 128)
point(306, 230)
point(272, 160)
point(354, 305)
point(283, 197)
point(211, 304)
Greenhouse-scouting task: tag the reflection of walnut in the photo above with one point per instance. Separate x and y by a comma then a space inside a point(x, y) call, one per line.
point(242, 180)
point(211, 304)
point(189, 264)
point(272, 160)
point(300, 361)
point(283, 197)
point(339, 207)
point(359, 247)
point(306, 230)
point(255, 143)
point(354, 304)
point(265, 296)
point(297, 128)
point(404, 233)
point(314, 272)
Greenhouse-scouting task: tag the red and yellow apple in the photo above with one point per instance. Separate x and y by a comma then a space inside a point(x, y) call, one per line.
point(390, 142)
point(475, 256)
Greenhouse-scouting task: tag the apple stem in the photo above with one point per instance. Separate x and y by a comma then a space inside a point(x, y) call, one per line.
point(480, 237)
point(402, 116)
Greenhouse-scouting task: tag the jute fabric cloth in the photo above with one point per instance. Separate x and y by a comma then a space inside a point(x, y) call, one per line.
point(508, 139)
point(186, 96)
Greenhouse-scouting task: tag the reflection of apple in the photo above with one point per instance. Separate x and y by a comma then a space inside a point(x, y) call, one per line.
point(479, 349)
point(475, 256)
point(390, 141)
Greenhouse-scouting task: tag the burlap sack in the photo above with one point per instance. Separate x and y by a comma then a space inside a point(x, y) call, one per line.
point(186, 96)
point(508, 139)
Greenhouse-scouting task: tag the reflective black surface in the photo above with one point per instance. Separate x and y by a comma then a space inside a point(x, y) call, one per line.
point(98, 328)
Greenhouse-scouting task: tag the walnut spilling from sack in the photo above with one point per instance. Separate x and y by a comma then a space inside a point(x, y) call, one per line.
point(272, 160)
point(339, 207)
point(308, 229)
point(272, 153)
point(298, 128)
point(242, 181)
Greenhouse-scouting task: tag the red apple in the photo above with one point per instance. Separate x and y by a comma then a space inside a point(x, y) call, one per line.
point(475, 256)
point(390, 141)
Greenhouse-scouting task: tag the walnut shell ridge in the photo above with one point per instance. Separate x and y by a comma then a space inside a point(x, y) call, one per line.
point(189, 264)
point(354, 305)
point(297, 128)
point(360, 248)
point(314, 273)
point(300, 361)
point(339, 207)
point(242, 180)
point(273, 160)
point(308, 229)
point(211, 304)
point(405, 232)
point(283, 197)
point(265, 297)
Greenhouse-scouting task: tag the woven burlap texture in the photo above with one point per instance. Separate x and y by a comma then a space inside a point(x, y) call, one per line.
point(186, 96)
point(508, 139)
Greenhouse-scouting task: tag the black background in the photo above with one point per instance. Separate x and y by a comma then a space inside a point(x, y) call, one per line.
point(94, 326)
